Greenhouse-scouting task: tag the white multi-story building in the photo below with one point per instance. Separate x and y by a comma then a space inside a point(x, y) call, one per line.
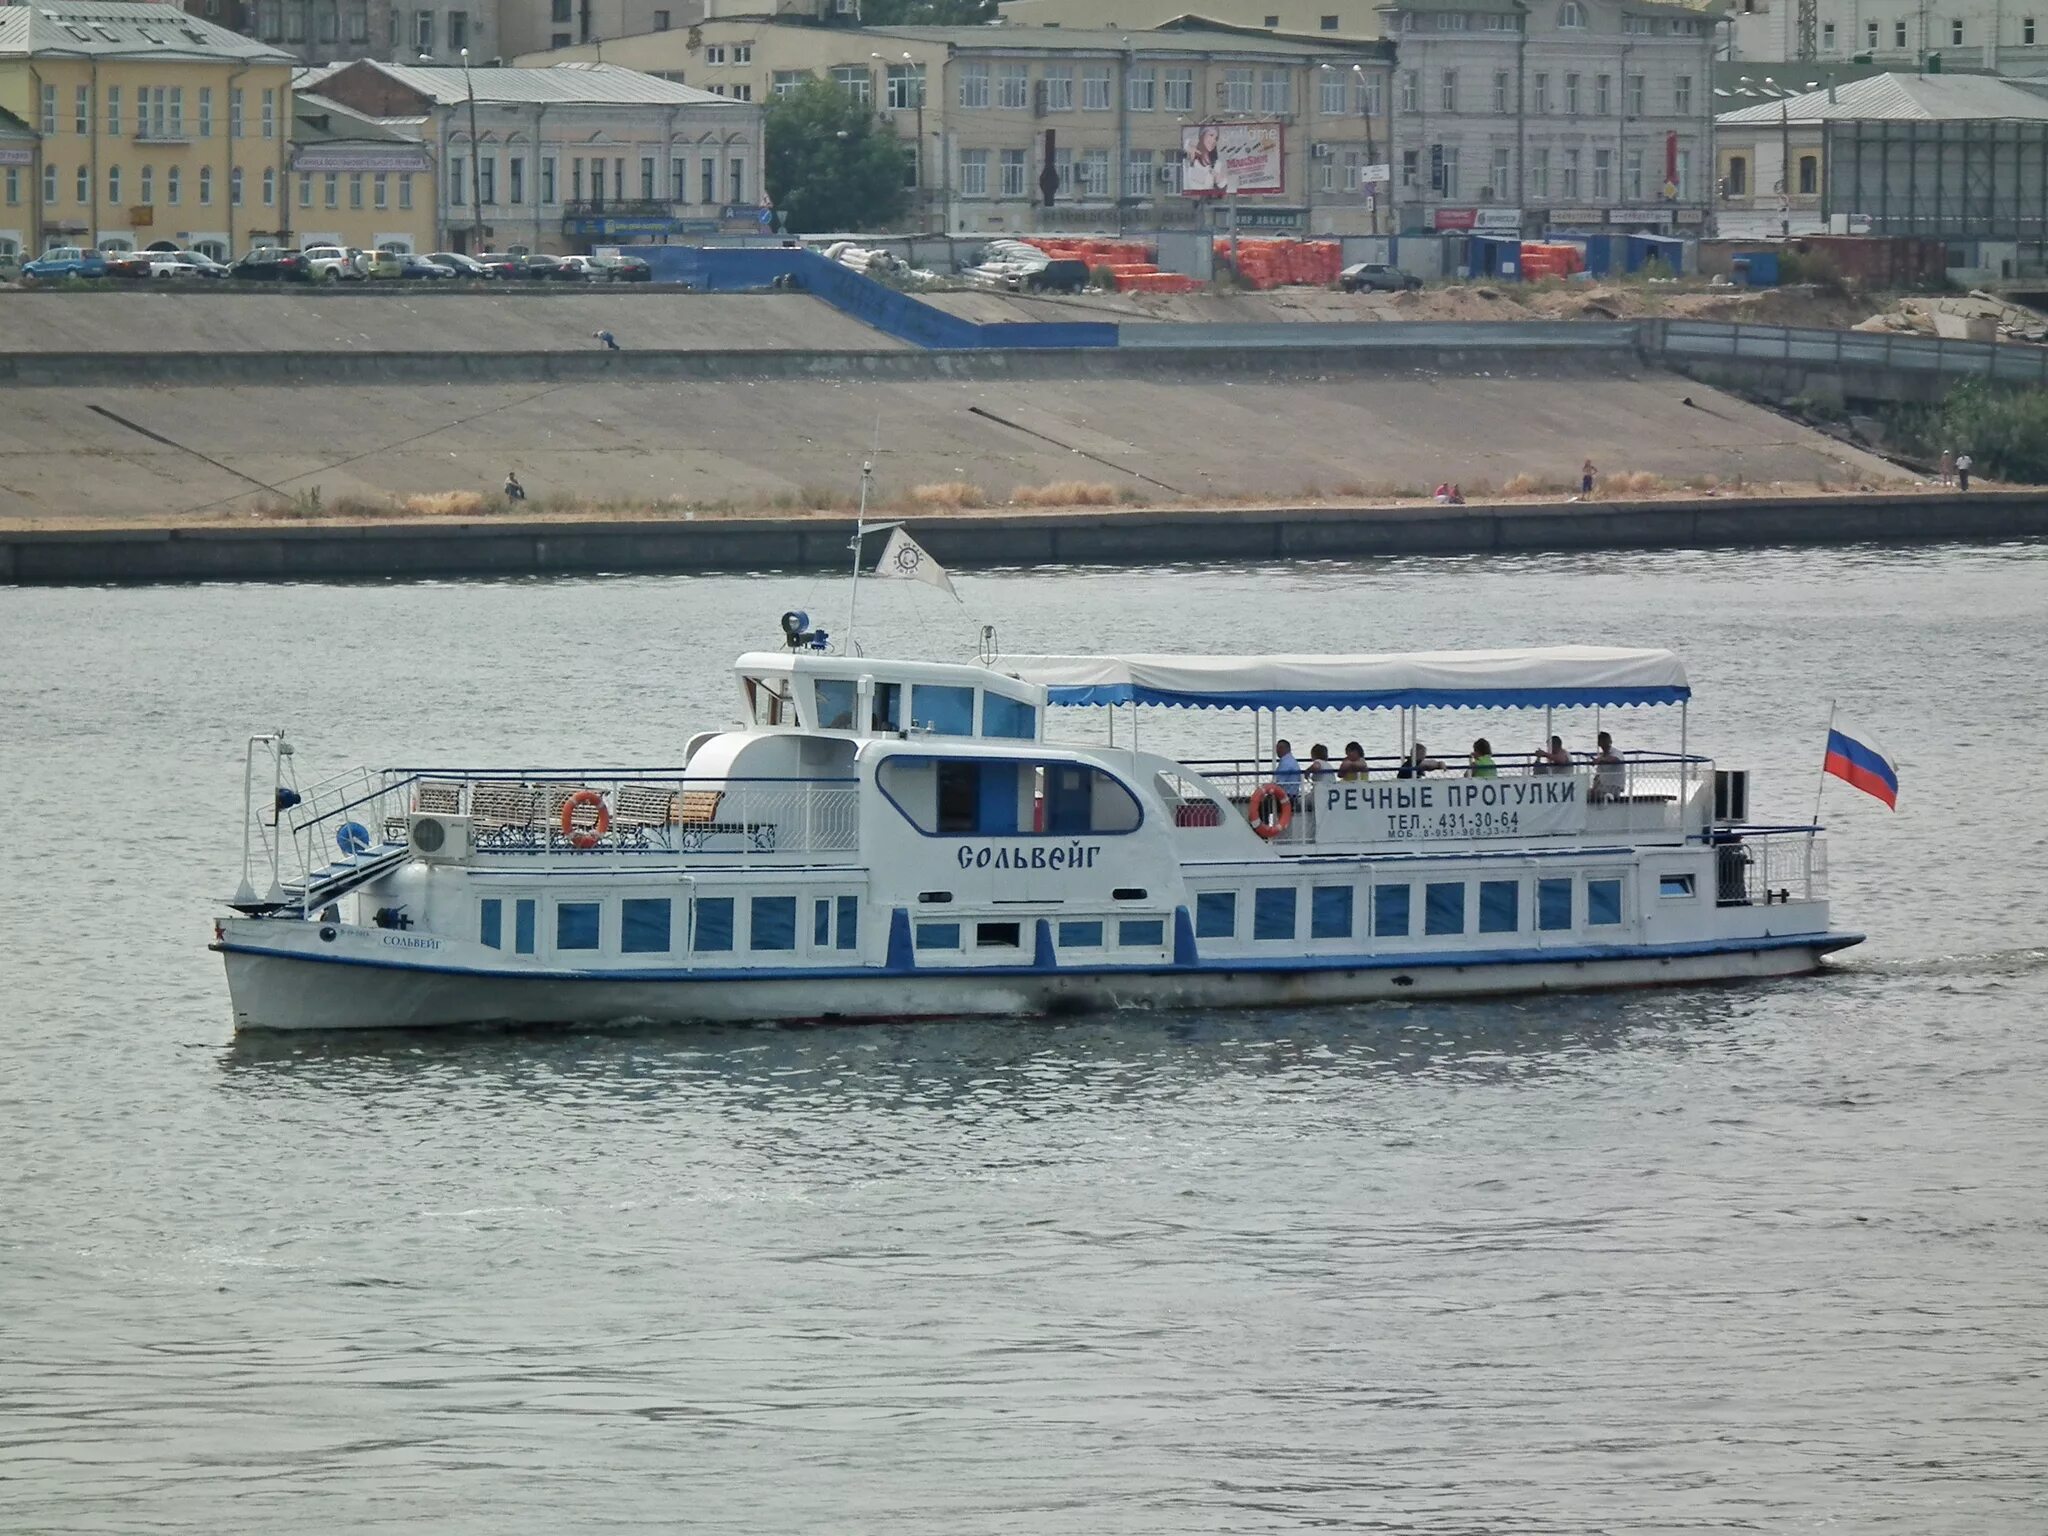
point(1567, 113)
point(2003, 36)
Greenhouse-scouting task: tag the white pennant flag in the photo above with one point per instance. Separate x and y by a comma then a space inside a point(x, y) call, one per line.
point(904, 556)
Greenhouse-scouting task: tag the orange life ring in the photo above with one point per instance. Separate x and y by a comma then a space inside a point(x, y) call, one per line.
point(1282, 813)
point(587, 838)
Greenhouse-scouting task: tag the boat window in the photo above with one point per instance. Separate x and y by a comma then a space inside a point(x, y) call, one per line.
point(1500, 906)
point(1329, 912)
point(768, 703)
point(1077, 933)
point(523, 923)
point(1129, 893)
point(821, 922)
point(998, 935)
point(849, 922)
point(1011, 719)
point(1443, 907)
point(644, 925)
point(941, 709)
point(886, 713)
point(1390, 911)
point(1273, 912)
point(938, 935)
point(772, 923)
point(835, 704)
point(1553, 905)
point(1603, 903)
point(576, 924)
point(713, 934)
point(1674, 885)
point(935, 898)
point(1141, 932)
point(491, 923)
point(957, 797)
point(1216, 915)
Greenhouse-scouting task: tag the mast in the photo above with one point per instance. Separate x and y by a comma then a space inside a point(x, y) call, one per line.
point(860, 532)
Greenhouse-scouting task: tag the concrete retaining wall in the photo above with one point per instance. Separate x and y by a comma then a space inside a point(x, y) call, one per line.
point(277, 553)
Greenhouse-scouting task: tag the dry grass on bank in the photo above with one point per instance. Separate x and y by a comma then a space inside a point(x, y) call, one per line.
point(948, 495)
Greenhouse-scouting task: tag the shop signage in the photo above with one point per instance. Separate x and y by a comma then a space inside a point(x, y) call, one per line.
point(1456, 218)
point(1499, 218)
point(1639, 215)
point(1690, 216)
point(12, 156)
point(1577, 216)
point(357, 157)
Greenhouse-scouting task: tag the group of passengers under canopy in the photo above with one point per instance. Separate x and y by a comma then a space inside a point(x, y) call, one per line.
point(1288, 772)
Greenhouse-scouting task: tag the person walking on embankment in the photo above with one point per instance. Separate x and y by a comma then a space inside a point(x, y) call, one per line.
point(1964, 464)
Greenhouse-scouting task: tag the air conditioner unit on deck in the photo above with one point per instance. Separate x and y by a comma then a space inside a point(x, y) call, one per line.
point(440, 839)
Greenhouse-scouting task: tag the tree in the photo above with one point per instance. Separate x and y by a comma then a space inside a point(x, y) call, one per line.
point(832, 165)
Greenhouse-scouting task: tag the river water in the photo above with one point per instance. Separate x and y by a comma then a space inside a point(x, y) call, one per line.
point(1749, 1258)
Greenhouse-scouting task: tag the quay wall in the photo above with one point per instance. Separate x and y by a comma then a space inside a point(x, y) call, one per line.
point(383, 551)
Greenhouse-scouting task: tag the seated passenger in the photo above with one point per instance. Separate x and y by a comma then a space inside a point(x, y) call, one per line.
point(1319, 764)
point(1417, 763)
point(1353, 766)
point(1482, 761)
point(1286, 767)
point(1553, 758)
point(1610, 774)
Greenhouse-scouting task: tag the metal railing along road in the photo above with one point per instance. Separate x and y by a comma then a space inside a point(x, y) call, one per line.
point(1883, 350)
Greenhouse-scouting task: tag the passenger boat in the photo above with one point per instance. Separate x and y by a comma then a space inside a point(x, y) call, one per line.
point(906, 839)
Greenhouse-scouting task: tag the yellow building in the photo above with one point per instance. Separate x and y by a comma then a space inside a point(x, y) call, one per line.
point(152, 127)
point(358, 182)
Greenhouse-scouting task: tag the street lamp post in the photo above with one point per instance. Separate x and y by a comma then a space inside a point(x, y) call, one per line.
point(1372, 154)
point(476, 168)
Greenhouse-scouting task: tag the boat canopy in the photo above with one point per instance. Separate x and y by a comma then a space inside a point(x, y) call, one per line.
point(1558, 676)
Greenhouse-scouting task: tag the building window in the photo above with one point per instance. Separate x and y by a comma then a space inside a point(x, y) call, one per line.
point(1681, 95)
point(1058, 86)
point(1570, 16)
point(49, 185)
point(1408, 90)
point(1870, 34)
point(1237, 90)
point(458, 184)
point(235, 113)
point(405, 189)
point(715, 54)
point(235, 187)
point(1329, 912)
point(1539, 93)
point(974, 173)
point(855, 81)
point(782, 81)
point(1898, 34)
point(1013, 87)
point(49, 110)
point(736, 179)
point(487, 171)
point(1216, 915)
point(1571, 95)
point(1497, 182)
point(1499, 906)
point(1553, 905)
point(1500, 90)
point(646, 179)
point(330, 189)
point(576, 924)
point(1273, 913)
point(1329, 23)
point(1141, 89)
point(1390, 916)
point(270, 114)
point(661, 21)
point(547, 180)
point(173, 185)
point(1568, 187)
point(1603, 175)
point(1447, 96)
point(1632, 175)
point(1276, 92)
point(1138, 173)
point(1443, 907)
point(423, 31)
point(269, 187)
point(974, 85)
point(1094, 173)
point(1809, 175)
point(1016, 170)
point(1603, 903)
point(905, 86)
point(358, 23)
point(1738, 176)
point(355, 189)
point(644, 925)
point(206, 186)
point(81, 109)
point(1539, 175)
point(1636, 95)
point(1603, 95)
point(1095, 88)
point(1332, 94)
point(113, 96)
point(380, 190)
point(1177, 90)
point(2027, 30)
point(305, 190)
point(712, 925)
point(114, 184)
point(458, 31)
point(707, 181)
point(206, 112)
point(1955, 32)
point(1410, 166)
point(1371, 104)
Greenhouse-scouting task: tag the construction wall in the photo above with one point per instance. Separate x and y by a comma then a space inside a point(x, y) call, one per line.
point(1980, 179)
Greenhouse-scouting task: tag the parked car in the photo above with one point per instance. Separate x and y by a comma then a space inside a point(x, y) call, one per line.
point(269, 264)
point(460, 265)
point(418, 268)
point(169, 268)
point(204, 263)
point(380, 266)
point(332, 263)
point(132, 264)
point(502, 264)
point(536, 268)
point(62, 261)
point(574, 269)
point(1058, 276)
point(1368, 276)
point(621, 269)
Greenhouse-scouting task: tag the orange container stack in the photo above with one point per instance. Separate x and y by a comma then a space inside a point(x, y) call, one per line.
point(1264, 263)
point(1541, 259)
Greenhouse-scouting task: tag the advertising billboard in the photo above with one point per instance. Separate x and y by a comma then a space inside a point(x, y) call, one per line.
point(1219, 158)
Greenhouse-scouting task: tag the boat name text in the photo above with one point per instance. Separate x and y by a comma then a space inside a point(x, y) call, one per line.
point(1059, 856)
point(410, 941)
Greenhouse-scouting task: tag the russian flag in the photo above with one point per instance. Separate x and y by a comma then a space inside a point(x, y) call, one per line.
point(1861, 765)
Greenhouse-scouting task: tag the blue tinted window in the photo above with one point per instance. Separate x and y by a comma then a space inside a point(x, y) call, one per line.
point(1273, 912)
point(1390, 911)
point(774, 923)
point(1674, 885)
point(849, 922)
point(714, 925)
point(1007, 718)
point(1141, 932)
point(1443, 906)
point(938, 935)
point(835, 705)
point(1080, 935)
point(643, 925)
point(1329, 912)
point(522, 927)
point(1216, 915)
point(1553, 905)
point(491, 925)
point(1500, 907)
point(1603, 903)
point(942, 710)
point(821, 922)
point(576, 925)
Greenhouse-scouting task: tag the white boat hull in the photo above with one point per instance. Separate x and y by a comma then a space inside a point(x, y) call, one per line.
point(272, 991)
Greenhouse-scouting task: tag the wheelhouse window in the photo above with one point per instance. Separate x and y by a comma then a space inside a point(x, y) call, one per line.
point(1006, 797)
point(1008, 719)
point(836, 703)
point(942, 710)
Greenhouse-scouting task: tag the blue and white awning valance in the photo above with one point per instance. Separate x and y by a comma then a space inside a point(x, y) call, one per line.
point(1549, 677)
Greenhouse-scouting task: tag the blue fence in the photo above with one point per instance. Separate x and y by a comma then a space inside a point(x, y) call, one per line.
point(741, 269)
